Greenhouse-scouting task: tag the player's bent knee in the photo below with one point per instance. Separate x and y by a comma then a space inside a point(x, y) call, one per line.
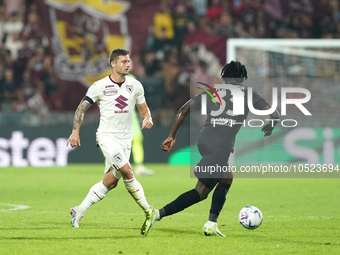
point(204, 196)
point(111, 185)
point(126, 172)
point(202, 190)
point(110, 181)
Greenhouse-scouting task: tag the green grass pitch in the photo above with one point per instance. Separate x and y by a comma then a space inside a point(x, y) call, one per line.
point(301, 216)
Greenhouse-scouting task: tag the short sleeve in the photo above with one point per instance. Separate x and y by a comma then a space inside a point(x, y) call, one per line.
point(259, 102)
point(140, 95)
point(92, 93)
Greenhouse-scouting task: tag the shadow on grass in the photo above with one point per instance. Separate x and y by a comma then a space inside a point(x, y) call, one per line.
point(177, 231)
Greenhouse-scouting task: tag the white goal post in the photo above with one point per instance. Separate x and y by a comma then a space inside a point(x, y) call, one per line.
point(313, 64)
point(286, 46)
point(313, 58)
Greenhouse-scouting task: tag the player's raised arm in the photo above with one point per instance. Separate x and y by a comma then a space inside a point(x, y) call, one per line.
point(74, 139)
point(180, 117)
point(146, 115)
point(274, 119)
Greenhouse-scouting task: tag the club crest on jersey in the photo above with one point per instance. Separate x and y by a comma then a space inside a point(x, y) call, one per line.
point(118, 157)
point(129, 88)
point(110, 92)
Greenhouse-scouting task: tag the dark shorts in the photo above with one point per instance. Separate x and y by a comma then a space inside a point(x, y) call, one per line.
point(213, 165)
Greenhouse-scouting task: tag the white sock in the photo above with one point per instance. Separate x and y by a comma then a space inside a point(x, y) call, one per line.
point(137, 192)
point(96, 193)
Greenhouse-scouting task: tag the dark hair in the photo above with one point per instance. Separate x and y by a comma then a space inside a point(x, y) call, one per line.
point(234, 69)
point(116, 53)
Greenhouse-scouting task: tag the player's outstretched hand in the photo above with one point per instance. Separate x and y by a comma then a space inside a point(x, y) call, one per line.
point(168, 144)
point(147, 123)
point(268, 129)
point(73, 140)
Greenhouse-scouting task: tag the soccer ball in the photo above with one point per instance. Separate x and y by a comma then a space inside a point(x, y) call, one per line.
point(250, 217)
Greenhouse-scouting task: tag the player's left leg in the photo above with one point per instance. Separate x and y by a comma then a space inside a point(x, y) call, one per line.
point(217, 203)
point(134, 187)
point(117, 154)
point(220, 193)
point(137, 192)
point(219, 198)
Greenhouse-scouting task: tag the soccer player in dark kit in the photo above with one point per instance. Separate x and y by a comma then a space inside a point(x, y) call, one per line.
point(215, 143)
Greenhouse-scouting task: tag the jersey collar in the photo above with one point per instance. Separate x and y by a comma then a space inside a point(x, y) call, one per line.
point(118, 83)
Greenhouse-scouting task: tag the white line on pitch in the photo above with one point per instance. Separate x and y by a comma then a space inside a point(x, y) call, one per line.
point(14, 207)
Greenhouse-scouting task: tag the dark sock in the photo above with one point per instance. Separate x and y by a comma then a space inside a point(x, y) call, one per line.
point(218, 200)
point(183, 201)
point(161, 213)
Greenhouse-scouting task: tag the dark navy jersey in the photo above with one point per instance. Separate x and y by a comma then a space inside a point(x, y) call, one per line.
point(222, 125)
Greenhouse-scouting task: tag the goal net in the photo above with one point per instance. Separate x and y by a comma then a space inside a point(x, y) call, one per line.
point(312, 64)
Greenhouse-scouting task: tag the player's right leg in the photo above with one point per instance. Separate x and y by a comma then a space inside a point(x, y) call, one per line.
point(99, 190)
point(200, 192)
point(97, 193)
point(191, 197)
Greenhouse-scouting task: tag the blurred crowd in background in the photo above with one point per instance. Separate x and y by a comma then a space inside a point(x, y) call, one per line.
point(27, 82)
point(173, 52)
point(171, 55)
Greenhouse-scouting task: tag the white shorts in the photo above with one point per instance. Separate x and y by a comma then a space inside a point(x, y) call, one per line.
point(115, 152)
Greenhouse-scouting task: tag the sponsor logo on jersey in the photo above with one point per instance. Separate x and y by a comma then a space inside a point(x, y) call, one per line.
point(121, 102)
point(129, 88)
point(118, 157)
point(110, 92)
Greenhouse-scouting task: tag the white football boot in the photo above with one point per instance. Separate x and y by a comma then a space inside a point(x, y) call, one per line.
point(210, 228)
point(77, 215)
